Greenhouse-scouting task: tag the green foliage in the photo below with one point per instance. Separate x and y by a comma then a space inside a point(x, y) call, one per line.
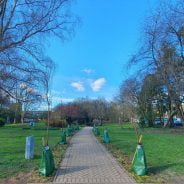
point(2, 122)
point(58, 123)
point(151, 90)
point(142, 122)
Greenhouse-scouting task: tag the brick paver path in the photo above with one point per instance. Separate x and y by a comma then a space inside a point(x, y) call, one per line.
point(87, 161)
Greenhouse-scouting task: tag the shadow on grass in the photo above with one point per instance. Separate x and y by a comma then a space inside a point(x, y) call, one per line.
point(161, 168)
point(37, 157)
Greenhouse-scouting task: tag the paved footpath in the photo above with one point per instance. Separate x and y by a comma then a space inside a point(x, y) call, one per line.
point(88, 162)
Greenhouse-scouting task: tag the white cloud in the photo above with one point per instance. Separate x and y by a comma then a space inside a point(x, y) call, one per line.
point(88, 71)
point(98, 84)
point(78, 86)
point(66, 100)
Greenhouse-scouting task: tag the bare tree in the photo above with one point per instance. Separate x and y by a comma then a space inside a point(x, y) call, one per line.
point(162, 50)
point(23, 21)
point(98, 109)
point(116, 112)
point(28, 98)
point(129, 96)
point(24, 25)
point(48, 69)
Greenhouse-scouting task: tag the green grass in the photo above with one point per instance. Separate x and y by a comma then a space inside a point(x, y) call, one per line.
point(164, 148)
point(12, 147)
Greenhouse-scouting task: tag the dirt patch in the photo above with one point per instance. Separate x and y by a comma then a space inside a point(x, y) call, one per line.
point(25, 178)
point(173, 178)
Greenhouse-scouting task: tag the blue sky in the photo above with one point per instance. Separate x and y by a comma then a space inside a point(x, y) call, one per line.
point(93, 62)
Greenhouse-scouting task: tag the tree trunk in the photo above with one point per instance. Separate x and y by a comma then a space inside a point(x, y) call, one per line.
point(170, 122)
point(180, 111)
point(15, 121)
point(22, 117)
point(48, 121)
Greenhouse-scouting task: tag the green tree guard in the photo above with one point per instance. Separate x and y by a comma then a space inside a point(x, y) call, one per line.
point(72, 130)
point(139, 165)
point(97, 131)
point(68, 132)
point(106, 137)
point(47, 162)
point(63, 138)
point(76, 127)
point(94, 128)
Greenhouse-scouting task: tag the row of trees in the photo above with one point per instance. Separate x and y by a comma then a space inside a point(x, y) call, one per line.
point(82, 110)
point(25, 69)
point(88, 111)
point(158, 90)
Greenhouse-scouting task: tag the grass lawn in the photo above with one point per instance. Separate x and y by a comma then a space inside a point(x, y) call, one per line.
point(12, 148)
point(164, 150)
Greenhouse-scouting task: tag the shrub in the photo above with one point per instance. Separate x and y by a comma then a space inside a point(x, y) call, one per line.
point(2, 122)
point(58, 123)
point(142, 122)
